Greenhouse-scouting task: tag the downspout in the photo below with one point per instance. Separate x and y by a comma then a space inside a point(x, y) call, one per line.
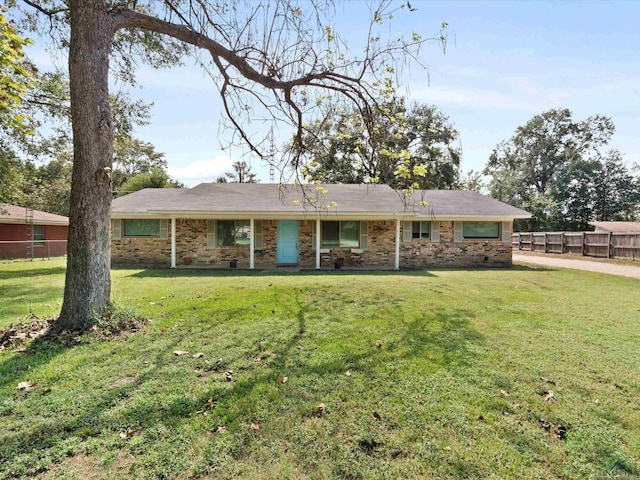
point(318, 244)
point(397, 265)
point(252, 243)
point(173, 242)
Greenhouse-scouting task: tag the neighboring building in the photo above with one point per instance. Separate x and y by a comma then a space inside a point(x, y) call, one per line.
point(264, 225)
point(26, 233)
point(616, 227)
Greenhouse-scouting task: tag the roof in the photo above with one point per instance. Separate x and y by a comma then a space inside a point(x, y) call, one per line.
point(16, 214)
point(461, 204)
point(615, 227)
point(263, 200)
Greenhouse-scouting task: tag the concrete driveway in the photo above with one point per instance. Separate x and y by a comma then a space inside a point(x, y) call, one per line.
point(563, 262)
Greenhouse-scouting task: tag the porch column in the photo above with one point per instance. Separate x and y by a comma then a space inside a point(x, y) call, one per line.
point(397, 265)
point(173, 242)
point(252, 242)
point(318, 244)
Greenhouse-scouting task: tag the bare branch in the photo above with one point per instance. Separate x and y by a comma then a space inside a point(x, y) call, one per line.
point(41, 9)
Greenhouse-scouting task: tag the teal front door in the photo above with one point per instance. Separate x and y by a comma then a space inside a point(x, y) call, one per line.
point(288, 241)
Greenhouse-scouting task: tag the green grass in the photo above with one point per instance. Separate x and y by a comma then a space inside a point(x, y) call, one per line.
point(432, 356)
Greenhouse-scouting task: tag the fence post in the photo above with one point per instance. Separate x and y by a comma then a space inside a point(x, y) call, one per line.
point(584, 246)
point(562, 243)
point(609, 246)
point(546, 242)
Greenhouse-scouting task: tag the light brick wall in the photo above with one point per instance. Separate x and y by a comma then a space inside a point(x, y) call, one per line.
point(191, 241)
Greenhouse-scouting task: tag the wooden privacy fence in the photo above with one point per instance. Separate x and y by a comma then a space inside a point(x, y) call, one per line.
point(590, 244)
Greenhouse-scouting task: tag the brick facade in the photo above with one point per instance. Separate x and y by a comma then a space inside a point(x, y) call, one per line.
point(13, 242)
point(191, 241)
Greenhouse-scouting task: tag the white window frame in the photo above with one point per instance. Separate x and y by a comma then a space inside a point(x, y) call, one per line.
point(340, 222)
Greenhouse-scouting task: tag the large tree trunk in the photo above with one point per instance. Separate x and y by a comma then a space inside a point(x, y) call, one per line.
point(88, 284)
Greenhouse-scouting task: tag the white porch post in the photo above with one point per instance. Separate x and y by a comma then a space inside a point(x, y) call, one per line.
point(252, 242)
point(173, 242)
point(397, 266)
point(318, 244)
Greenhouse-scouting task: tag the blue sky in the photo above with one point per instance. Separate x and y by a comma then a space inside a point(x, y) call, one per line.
point(504, 63)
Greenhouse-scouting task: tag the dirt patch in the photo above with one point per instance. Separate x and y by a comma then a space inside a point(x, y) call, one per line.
point(122, 381)
point(86, 467)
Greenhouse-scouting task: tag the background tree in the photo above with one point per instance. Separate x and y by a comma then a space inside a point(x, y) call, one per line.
point(156, 177)
point(241, 173)
point(419, 142)
point(546, 168)
point(283, 56)
point(16, 74)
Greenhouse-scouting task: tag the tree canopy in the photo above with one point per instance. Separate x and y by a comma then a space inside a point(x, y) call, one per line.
point(241, 173)
point(557, 169)
point(410, 147)
point(16, 74)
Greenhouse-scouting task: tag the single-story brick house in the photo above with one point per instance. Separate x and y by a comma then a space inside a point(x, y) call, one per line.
point(265, 225)
point(26, 233)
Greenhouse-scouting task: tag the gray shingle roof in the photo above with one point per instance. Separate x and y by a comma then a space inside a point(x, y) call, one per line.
point(461, 203)
point(211, 199)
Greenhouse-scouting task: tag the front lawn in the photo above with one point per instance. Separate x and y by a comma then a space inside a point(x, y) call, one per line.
point(524, 373)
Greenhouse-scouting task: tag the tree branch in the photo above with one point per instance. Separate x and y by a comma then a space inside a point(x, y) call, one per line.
point(41, 9)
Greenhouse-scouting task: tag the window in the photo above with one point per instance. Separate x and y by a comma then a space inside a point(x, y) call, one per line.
point(38, 235)
point(481, 230)
point(420, 230)
point(340, 234)
point(233, 233)
point(141, 228)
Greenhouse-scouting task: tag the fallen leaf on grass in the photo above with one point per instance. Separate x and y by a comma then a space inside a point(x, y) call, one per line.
point(547, 380)
point(504, 393)
point(257, 359)
point(282, 379)
point(377, 416)
point(211, 403)
point(180, 352)
point(560, 431)
point(321, 409)
point(27, 385)
point(198, 355)
point(255, 426)
point(347, 373)
point(130, 432)
point(379, 345)
point(549, 398)
point(221, 429)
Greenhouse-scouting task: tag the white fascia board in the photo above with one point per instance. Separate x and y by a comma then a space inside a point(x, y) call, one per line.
point(22, 221)
point(308, 215)
point(471, 218)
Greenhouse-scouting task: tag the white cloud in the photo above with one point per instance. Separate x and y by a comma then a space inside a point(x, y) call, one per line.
point(201, 171)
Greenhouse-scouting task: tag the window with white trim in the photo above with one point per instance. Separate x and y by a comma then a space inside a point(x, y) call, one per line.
point(481, 230)
point(141, 228)
point(233, 233)
point(345, 234)
point(38, 236)
point(420, 230)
